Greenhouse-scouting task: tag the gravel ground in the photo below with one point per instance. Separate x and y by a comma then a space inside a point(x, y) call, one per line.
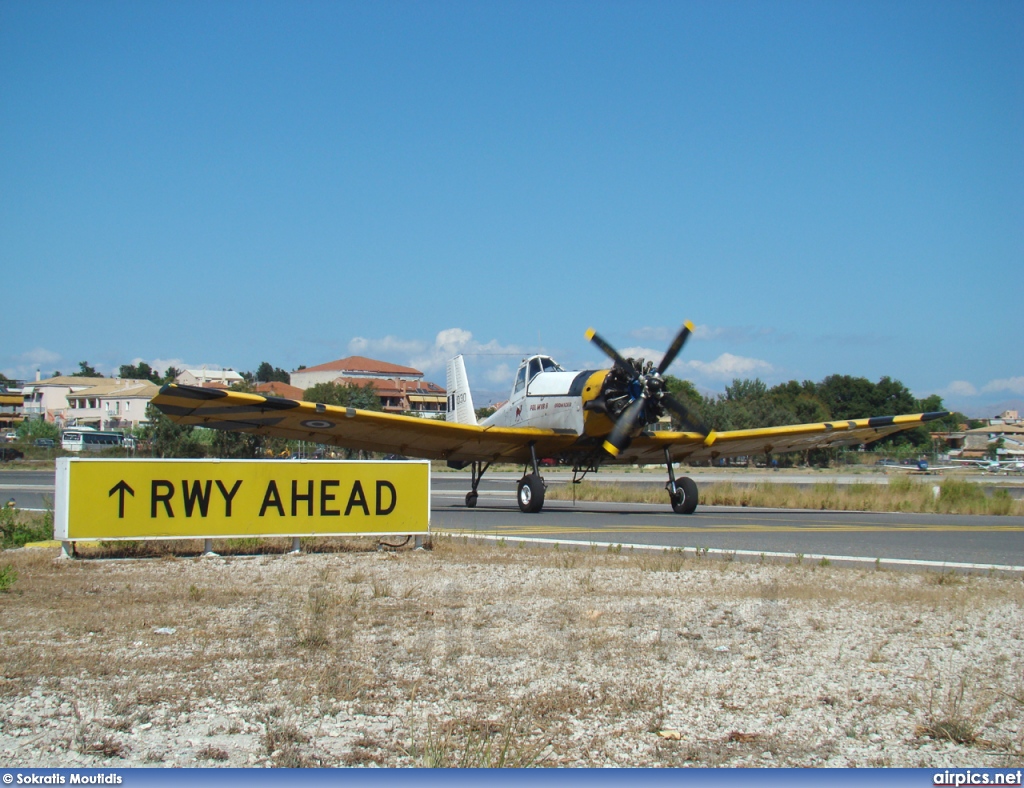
point(481, 655)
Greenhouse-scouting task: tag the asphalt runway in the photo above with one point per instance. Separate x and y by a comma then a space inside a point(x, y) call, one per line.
point(893, 538)
point(29, 489)
point(933, 538)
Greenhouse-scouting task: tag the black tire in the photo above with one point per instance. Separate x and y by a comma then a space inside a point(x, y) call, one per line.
point(471, 499)
point(684, 501)
point(530, 494)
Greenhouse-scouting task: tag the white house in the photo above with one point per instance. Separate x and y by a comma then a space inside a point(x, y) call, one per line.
point(115, 404)
point(200, 377)
point(48, 399)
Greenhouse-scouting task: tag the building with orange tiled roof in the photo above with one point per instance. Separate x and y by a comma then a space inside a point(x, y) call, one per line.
point(352, 367)
point(276, 388)
point(401, 389)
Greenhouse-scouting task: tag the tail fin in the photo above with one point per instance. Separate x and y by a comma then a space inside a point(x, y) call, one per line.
point(460, 401)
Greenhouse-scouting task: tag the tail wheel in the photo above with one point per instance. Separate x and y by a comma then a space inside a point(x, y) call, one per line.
point(684, 499)
point(530, 493)
point(471, 500)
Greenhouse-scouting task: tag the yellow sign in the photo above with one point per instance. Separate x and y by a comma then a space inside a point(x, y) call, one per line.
point(169, 499)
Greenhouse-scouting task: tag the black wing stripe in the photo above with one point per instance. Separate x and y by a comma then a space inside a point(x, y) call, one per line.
point(191, 392)
point(241, 426)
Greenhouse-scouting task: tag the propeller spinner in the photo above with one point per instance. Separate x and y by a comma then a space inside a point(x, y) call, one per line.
point(635, 391)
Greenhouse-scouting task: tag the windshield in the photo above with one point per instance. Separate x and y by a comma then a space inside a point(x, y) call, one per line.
point(520, 380)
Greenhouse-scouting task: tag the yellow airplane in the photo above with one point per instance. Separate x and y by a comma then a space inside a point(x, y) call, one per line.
point(585, 419)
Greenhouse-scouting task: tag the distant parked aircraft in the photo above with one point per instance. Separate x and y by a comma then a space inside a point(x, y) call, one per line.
point(994, 466)
point(921, 466)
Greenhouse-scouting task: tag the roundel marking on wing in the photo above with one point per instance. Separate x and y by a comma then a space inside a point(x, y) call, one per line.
point(317, 424)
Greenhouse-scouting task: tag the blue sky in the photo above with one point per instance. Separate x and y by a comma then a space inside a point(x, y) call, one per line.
point(821, 187)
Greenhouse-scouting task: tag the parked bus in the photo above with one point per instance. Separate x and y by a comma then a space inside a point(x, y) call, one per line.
point(92, 440)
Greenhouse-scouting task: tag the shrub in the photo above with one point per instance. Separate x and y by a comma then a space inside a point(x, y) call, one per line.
point(8, 577)
point(17, 530)
point(958, 495)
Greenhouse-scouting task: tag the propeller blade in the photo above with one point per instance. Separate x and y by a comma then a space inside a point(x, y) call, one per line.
point(615, 441)
point(609, 351)
point(675, 347)
point(679, 408)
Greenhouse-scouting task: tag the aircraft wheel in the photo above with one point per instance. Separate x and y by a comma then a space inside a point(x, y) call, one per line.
point(684, 500)
point(530, 492)
point(471, 499)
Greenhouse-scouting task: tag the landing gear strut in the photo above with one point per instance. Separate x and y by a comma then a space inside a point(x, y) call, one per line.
point(530, 490)
point(477, 470)
point(682, 492)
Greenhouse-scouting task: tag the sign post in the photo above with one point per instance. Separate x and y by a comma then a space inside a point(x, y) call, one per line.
point(215, 499)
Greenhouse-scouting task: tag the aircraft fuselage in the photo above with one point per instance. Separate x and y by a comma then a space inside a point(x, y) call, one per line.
point(553, 399)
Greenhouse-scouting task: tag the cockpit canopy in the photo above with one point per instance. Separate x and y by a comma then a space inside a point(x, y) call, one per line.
point(531, 367)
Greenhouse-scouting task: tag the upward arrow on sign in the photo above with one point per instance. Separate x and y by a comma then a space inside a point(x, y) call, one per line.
point(121, 487)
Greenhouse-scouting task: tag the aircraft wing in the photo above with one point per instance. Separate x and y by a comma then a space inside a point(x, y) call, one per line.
point(387, 433)
point(693, 447)
point(353, 428)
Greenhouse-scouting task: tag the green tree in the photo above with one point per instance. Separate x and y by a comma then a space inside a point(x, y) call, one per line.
point(235, 445)
point(847, 397)
point(932, 404)
point(345, 396)
point(348, 395)
point(140, 371)
point(168, 439)
point(686, 393)
point(265, 373)
point(891, 398)
point(745, 405)
point(800, 401)
point(85, 370)
point(30, 429)
point(170, 374)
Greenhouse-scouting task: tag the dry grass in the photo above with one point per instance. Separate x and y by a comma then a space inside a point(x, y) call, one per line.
point(480, 655)
point(902, 494)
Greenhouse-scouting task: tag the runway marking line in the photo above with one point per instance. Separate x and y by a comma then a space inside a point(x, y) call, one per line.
point(736, 528)
point(718, 552)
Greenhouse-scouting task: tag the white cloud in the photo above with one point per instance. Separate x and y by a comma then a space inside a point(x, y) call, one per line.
point(431, 358)
point(730, 334)
point(958, 388)
point(499, 375)
point(658, 334)
point(727, 366)
point(24, 365)
point(39, 356)
point(709, 332)
point(452, 341)
point(388, 345)
point(1013, 385)
point(724, 368)
point(650, 354)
